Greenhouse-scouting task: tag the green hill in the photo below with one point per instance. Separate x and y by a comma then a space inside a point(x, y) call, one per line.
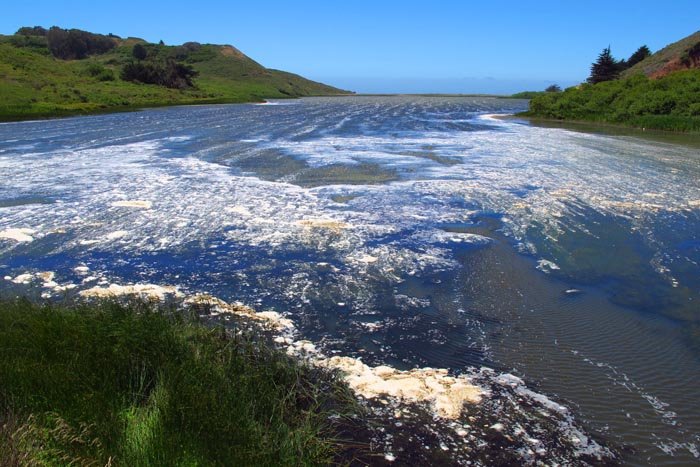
point(680, 55)
point(80, 72)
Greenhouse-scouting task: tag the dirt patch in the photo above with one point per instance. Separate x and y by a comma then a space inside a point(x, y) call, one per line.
point(230, 51)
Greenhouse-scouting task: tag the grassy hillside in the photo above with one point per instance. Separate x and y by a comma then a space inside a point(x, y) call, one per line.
point(125, 385)
point(668, 59)
point(35, 83)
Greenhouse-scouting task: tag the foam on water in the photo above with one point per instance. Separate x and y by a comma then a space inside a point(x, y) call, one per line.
point(168, 184)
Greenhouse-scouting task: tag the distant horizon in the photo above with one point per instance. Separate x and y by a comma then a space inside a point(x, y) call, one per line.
point(396, 47)
point(455, 86)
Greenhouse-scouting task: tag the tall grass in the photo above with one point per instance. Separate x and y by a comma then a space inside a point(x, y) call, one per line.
point(108, 384)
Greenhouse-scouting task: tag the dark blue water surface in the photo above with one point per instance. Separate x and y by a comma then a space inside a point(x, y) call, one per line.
point(409, 231)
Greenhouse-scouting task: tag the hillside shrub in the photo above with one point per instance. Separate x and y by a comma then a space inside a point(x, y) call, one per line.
point(670, 103)
point(74, 44)
point(169, 73)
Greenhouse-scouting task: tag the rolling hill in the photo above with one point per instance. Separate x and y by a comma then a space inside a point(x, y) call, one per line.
point(81, 72)
point(681, 55)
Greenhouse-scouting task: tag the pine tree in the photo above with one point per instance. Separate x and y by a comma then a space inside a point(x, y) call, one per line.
point(553, 88)
point(139, 52)
point(641, 53)
point(606, 68)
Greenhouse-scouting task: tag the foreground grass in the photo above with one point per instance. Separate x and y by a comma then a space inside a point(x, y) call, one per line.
point(124, 385)
point(670, 103)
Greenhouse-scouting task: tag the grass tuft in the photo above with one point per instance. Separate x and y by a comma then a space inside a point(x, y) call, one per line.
point(113, 384)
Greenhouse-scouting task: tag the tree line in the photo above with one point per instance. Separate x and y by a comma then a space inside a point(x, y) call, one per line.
point(71, 44)
point(607, 68)
point(146, 64)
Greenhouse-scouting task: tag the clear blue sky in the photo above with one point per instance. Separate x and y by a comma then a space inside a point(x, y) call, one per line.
point(392, 46)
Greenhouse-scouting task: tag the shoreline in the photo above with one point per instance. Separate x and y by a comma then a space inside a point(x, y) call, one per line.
point(40, 116)
point(606, 128)
point(452, 412)
point(691, 139)
point(585, 126)
point(68, 113)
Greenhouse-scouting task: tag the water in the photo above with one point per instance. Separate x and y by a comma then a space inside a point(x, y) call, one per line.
point(409, 231)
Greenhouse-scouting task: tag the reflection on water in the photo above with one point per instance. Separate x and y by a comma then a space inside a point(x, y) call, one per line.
point(409, 231)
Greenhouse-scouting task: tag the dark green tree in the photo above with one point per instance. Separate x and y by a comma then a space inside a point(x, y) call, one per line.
point(691, 56)
point(139, 52)
point(32, 31)
point(166, 73)
point(606, 68)
point(641, 53)
point(74, 44)
point(553, 88)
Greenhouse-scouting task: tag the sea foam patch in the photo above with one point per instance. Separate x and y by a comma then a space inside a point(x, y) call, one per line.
point(19, 235)
point(132, 202)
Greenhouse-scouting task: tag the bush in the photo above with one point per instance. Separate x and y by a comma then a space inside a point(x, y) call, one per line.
point(139, 52)
point(98, 71)
point(75, 44)
point(169, 73)
point(39, 44)
point(105, 75)
point(32, 31)
point(661, 103)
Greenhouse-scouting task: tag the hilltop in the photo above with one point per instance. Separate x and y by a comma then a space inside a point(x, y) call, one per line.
point(57, 72)
point(681, 55)
point(662, 91)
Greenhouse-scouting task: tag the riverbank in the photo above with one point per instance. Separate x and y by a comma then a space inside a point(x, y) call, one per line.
point(127, 384)
point(670, 103)
point(610, 129)
point(23, 114)
point(64, 112)
point(124, 379)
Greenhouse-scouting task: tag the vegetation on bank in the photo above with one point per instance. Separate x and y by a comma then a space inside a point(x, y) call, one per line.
point(668, 103)
point(658, 91)
point(58, 72)
point(108, 384)
point(533, 94)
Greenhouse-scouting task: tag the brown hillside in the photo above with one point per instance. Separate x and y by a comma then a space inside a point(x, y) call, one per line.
point(680, 55)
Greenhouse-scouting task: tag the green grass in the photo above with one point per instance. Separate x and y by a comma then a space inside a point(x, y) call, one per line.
point(109, 384)
point(33, 84)
point(669, 103)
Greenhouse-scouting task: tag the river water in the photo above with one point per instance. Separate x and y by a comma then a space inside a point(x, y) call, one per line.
point(408, 231)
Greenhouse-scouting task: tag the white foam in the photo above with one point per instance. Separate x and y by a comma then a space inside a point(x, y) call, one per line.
point(18, 235)
point(546, 265)
point(25, 278)
point(140, 204)
point(117, 234)
point(147, 291)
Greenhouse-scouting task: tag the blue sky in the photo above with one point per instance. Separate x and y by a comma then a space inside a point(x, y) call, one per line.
point(392, 46)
